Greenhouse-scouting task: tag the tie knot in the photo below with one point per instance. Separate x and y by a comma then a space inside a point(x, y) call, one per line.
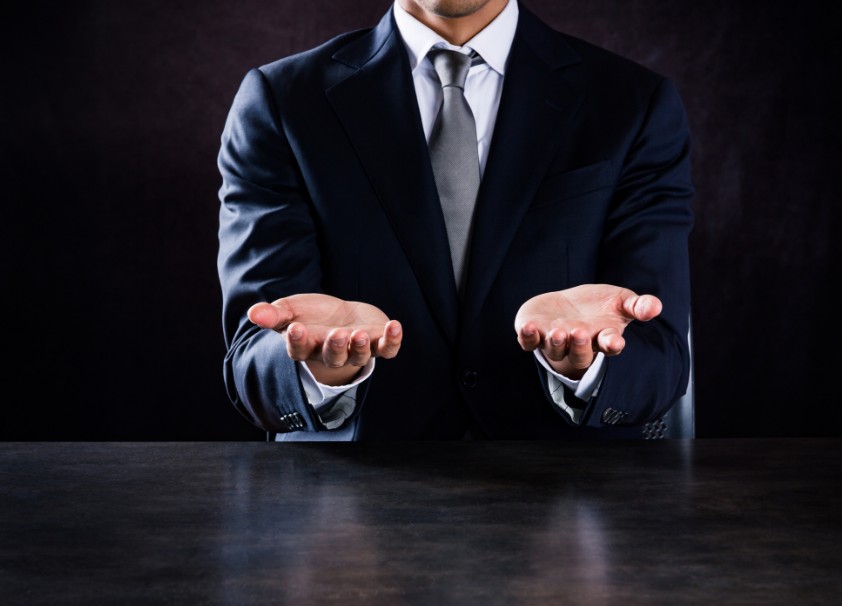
point(451, 66)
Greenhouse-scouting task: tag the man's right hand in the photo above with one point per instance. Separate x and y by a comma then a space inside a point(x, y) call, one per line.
point(335, 338)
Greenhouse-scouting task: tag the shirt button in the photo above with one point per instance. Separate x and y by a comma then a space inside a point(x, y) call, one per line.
point(469, 378)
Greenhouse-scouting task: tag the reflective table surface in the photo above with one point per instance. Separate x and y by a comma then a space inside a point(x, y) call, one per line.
point(731, 521)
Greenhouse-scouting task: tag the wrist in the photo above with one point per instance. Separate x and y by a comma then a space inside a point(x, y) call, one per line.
point(565, 368)
point(332, 376)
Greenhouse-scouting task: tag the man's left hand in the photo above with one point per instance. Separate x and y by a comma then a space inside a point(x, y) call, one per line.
point(570, 326)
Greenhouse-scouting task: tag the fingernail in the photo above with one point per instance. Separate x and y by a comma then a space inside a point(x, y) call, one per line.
point(394, 331)
point(556, 342)
point(339, 342)
point(295, 334)
point(359, 342)
point(528, 333)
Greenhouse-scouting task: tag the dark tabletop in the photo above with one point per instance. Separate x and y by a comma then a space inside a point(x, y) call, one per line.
point(642, 522)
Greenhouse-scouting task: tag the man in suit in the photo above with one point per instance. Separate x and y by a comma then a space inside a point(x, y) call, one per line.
point(343, 317)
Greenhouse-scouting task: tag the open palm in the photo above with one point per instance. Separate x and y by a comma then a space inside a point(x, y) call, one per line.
point(570, 326)
point(334, 336)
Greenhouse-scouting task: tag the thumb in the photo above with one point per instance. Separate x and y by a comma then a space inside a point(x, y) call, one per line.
point(642, 307)
point(275, 315)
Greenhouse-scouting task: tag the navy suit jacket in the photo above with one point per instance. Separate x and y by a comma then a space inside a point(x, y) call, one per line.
point(328, 187)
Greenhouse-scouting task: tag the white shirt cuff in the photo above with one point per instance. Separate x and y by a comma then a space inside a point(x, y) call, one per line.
point(319, 394)
point(584, 389)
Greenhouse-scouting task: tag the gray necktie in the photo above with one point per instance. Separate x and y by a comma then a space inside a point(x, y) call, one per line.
point(453, 151)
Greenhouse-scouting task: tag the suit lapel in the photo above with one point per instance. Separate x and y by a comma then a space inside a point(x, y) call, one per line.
point(379, 111)
point(536, 108)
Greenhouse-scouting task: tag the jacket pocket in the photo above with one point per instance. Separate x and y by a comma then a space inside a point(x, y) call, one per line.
point(573, 183)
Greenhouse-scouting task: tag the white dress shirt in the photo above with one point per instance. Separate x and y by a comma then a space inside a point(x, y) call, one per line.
point(483, 89)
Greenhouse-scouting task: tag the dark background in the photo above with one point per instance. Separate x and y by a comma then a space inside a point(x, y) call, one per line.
point(111, 125)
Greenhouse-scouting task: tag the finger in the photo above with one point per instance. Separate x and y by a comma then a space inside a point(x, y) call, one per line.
point(529, 337)
point(275, 315)
point(610, 342)
point(300, 346)
point(335, 348)
point(390, 342)
point(360, 348)
point(580, 352)
point(556, 345)
point(643, 307)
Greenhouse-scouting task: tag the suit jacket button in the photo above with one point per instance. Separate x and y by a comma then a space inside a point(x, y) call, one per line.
point(610, 416)
point(469, 378)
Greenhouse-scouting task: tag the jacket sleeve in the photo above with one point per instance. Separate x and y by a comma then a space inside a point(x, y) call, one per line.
point(267, 250)
point(645, 248)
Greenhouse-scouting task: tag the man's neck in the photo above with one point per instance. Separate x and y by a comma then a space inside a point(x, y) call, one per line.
point(459, 29)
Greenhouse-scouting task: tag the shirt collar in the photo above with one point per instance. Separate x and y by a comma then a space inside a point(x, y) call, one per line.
point(493, 42)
